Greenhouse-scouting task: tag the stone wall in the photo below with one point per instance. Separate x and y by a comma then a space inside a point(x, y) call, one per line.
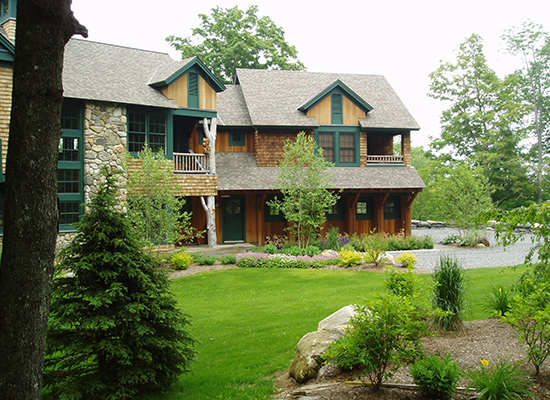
point(105, 139)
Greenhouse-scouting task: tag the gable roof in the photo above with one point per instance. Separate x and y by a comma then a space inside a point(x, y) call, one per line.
point(105, 72)
point(338, 84)
point(233, 166)
point(274, 98)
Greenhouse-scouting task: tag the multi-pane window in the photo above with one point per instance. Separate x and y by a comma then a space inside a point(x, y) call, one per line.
point(326, 142)
point(150, 128)
point(339, 147)
point(237, 139)
point(364, 208)
point(70, 166)
point(68, 181)
point(69, 149)
point(392, 208)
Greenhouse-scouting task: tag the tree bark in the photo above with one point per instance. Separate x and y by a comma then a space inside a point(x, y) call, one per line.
point(210, 205)
point(210, 209)
point(31, 217)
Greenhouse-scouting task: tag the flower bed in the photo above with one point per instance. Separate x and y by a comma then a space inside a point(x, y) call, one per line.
point(265, 260)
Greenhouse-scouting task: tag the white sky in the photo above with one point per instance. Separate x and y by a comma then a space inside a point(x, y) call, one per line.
point(403, 40)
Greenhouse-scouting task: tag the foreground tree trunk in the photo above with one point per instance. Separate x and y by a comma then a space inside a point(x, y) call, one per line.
point(31, 218)
point(210, 205)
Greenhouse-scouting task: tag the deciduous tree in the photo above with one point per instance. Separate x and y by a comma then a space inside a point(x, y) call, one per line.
point(532, 45)
point(232, 38)
point(304, 182)
point(31, 218)
point(482, 123)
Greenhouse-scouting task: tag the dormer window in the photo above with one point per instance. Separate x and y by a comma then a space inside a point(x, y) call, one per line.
point(337, 109)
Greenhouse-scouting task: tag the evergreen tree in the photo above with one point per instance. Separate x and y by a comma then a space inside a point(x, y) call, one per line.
point(115, 329)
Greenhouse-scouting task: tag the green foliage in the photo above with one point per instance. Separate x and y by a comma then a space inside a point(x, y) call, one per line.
point(203, 259)
point(451, 239)
point(500, 381)
point(373, 245)
point(460, 196)
point(228, 259)
point(264, 260)
point(349, 258)
point(402, 283)
point(304, 182)
point(407, 259)
point(115, 329)
point(497, 300)
point(181, 260)
point(383, 336)
point(269, 249)
point(480, 123)
point(530, 318)
point(449, 293)
point(538, 217)
point(231, 38)
point(153, 207)
point(397, 243)
point(436, 377)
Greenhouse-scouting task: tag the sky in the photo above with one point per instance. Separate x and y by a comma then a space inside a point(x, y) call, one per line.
point(403, 40)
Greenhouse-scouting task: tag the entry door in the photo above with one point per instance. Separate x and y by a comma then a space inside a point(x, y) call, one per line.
point(234, 222)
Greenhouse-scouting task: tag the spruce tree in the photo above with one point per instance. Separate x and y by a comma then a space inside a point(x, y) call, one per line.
point(115, 330)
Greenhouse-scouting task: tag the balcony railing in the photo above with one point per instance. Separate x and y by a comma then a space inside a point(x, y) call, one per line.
point(384, 159)
point(191, 163)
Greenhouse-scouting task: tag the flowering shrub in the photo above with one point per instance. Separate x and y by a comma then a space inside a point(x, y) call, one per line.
point(350, 258)
point(264, 260)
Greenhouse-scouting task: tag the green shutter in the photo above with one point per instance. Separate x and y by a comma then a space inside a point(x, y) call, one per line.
point(337, 109)
point(193, 78)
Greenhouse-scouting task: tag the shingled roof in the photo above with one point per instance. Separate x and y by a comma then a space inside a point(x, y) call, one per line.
point(105, 72)
point(273, 98)
point(239, 171)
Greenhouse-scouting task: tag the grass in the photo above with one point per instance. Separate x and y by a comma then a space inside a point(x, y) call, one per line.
point(248, 321)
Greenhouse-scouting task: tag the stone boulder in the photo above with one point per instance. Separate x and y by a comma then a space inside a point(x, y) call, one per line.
point(314, 345)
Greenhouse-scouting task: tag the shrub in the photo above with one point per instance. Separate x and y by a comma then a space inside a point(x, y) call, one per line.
point(407, 259)
point(228, 259)
point(264, 260)
point(500, 381)
point(451, 239)
point(497, 301)
point(203, 259)
point(350, 258)
point(449, 293)
point(269, 249)
point(181, 260)
point(115, 330)
point(436, 377)
point(530, 318)
point(384, 335)
point(396, 243)
point(373, 246)
point(401, 283)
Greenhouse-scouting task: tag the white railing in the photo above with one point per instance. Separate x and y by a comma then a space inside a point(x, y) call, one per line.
point(191, 163)
point(384, 159)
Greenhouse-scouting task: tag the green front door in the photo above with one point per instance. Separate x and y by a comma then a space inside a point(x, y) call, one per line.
point(234, 221)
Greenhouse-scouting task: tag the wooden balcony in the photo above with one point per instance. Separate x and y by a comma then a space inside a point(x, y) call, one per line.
point(191, 163)
point(379, 159)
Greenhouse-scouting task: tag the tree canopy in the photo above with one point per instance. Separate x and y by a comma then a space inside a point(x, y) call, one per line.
point(232, 38)
point(482, 124)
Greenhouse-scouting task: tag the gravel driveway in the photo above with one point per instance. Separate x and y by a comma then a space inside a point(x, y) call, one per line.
point(494, 256)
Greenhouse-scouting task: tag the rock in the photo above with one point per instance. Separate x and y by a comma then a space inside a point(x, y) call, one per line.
point(314, 345)
point(329, 253)
point(424, 225)
point(480, 246)
point(384, 259)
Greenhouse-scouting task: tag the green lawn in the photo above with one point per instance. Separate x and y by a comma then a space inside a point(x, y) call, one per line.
point(248, 321)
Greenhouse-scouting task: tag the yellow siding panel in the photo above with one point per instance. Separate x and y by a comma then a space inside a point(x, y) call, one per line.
point(177, 91)
point(6, 80)
point(352, 113)
point(208, 97)
point(322, 112)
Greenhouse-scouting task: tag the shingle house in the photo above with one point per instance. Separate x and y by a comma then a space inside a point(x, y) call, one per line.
point(356, 119)
point(119, 98)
